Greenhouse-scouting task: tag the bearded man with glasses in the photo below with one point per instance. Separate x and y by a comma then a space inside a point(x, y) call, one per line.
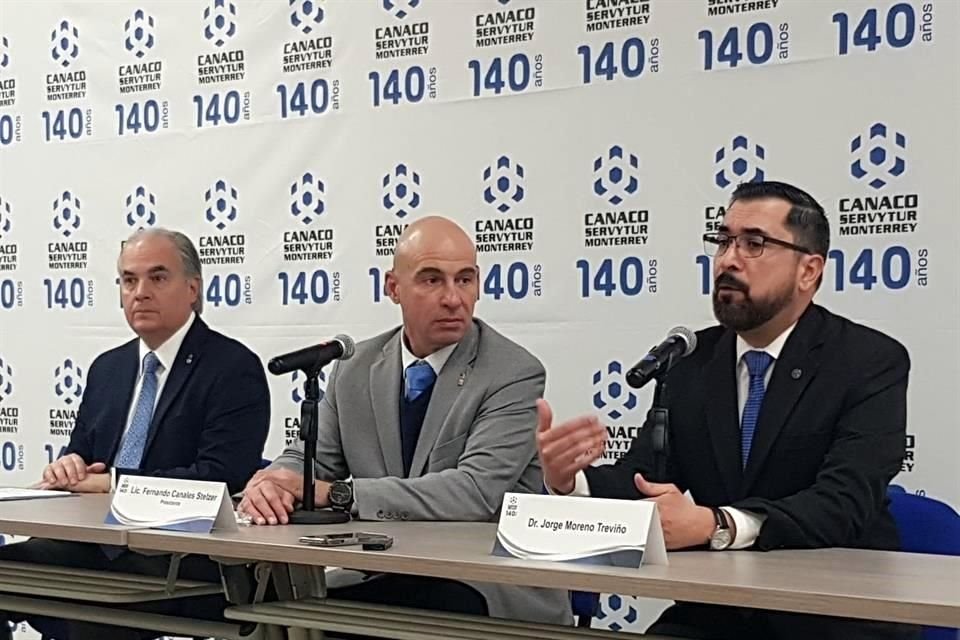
point(787, 423)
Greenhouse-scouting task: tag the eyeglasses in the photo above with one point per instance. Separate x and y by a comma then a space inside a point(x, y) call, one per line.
point(749, 244)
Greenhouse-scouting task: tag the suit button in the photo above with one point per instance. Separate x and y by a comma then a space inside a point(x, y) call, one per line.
point(380, 514)
point(405, 515)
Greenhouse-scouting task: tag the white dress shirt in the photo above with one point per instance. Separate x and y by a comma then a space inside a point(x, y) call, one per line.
point(747, 523)
point(436, 360)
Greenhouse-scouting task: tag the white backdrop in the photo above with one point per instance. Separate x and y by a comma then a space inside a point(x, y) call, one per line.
point(587, 144)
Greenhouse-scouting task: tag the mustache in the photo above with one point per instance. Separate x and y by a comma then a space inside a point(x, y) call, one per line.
point(730, 282)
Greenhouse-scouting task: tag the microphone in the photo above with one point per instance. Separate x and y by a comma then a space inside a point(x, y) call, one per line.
point(313, 358)
point(680, 343)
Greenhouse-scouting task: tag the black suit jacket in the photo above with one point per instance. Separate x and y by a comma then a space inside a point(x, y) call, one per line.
point(830, 436)
point(210, 422)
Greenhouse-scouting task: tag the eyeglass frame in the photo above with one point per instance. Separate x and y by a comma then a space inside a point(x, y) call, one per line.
point(733, 237)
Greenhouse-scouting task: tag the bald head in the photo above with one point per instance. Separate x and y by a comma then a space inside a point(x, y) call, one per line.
point(435, 281)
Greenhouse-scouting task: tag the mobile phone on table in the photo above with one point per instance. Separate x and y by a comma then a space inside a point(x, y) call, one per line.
point(375, 541)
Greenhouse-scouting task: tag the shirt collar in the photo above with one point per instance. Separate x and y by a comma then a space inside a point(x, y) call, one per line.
point(167, 352)
point(436, 360)
point(774, 348)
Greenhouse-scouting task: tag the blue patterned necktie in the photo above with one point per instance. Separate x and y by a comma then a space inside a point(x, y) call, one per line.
point(420, 376)
point(757, 364)
point(134, 440)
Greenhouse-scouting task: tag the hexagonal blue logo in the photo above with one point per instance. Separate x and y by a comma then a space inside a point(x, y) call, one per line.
point(877, 155)
point(6, 379)
point(66, 43)
point(503, 184)
point(138, 33)
point(401, 191)
point(400, 9)
point(66, 214)
point(68, 382)
point(306, 198)
point(739, 162)
point(141, 208)
point(296, 386)
point(220, 22)
point(221, 200)
point(617, 175)
point(306, 14)
point(616, 613)
point(4, 52)
point(610, 394)
point(6, 222)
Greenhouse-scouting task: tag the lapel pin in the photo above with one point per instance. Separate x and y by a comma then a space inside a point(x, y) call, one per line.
point(461, 379)
point(796, 373)
point(189, 358)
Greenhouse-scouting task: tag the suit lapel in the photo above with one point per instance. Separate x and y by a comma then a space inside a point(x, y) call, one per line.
point(183, 367)
point(385, 383)
point(453, 377)
point(792, 373)
point(126, 376)
point(722, 414)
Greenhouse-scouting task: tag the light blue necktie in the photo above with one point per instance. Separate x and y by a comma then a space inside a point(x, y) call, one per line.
point(420, 376)
point(757, 364)
point(134, 440)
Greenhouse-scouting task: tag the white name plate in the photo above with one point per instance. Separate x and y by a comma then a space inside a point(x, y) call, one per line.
point(623, 533)
point(168, 503)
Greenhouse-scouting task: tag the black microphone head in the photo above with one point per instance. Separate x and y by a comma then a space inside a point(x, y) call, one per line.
point(349, 347)
point(689, 338)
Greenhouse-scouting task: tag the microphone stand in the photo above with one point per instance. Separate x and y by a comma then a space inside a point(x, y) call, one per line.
point(308, 513)
point(658, 417)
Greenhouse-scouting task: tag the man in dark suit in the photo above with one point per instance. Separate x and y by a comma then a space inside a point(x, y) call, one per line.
point(786, 424)
point(179, 401)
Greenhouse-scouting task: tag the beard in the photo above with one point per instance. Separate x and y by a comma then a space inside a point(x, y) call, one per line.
point(743, 313)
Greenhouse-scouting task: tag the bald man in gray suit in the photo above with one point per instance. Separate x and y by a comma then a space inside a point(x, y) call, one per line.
point(433, 420)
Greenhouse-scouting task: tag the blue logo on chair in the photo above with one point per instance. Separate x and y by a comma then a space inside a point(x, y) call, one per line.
point(221, 201)
point(68, 382)
point(616, 176)
point(876, 155)
point(616, 613)
point(5, 222)
point(6, 379)
point(401, 191)
point(306, 198)
point(306, 14)
point(219, 22)
point(138, 32)
point(737, 162)
point(66, 214)
point(296, 389)
point(503, 184)
point(66, 43)
point(141, 206)
point(610, 394)
point(400, 9)
point(4, 52)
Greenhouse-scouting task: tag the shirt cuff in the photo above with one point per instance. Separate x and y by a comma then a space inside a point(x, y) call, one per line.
point(748, 527)
point(581, 488)
point(113, 479)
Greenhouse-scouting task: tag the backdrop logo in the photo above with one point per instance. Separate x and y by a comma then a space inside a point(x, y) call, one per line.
point(738, 161)
point(296, 386)
point(141, 205)
point(616, 176)
point(306, 14)
point(609, 393)
point(6, 379)
point(306, 198)
point(219, 22)
point(617, 613)
point(5, 222)
point(66, 43)
point(221, 201)
point(66, 214)
point(400, 9)
point(503, 184)
point(68, 382)
point(4, 52)
point(878, 159)
point(138, 32)
point(401, 191)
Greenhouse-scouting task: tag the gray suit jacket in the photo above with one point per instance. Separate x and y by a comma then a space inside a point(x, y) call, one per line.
point(477, 443)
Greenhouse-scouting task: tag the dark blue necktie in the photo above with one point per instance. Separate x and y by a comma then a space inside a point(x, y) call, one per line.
point(757, 364)
point(419, 377)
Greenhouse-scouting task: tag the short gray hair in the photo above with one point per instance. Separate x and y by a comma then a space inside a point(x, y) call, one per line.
point(189, 258)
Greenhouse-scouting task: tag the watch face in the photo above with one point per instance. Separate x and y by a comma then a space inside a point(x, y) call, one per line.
point(721, 539)
point(340, 493)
